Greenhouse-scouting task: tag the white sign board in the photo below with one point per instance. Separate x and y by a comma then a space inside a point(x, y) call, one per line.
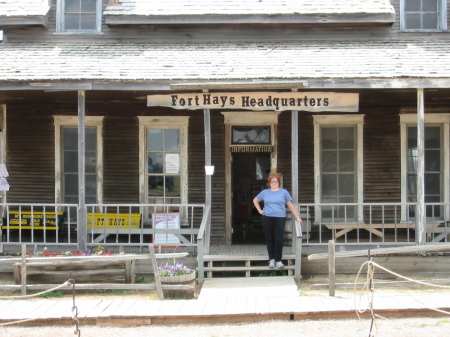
point(3, 171)
point(4, 186)
point(260, 101)
point(166, 221)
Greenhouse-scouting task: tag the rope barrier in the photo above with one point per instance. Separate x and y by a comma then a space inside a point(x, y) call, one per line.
point(369, 286)
point(74, 309)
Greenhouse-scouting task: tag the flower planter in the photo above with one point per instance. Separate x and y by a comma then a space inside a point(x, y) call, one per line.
point(182, 279)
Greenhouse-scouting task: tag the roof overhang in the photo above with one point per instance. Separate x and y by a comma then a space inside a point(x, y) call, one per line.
point(328, 19)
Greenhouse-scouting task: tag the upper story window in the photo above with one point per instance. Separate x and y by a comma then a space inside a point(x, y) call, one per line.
point(79, 16)
point(420, 15)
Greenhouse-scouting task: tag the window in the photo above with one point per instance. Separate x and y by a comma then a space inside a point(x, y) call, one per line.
point(164, 159)
point(251, 135)
point(79, 16)
point(423, 15)
point(338, 167)
point(66, 159)
point(436, 163)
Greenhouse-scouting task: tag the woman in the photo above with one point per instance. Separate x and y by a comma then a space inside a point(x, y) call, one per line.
point(274, 217)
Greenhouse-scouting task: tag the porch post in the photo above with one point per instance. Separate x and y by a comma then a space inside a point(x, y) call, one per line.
point(296, 242)
point(420, 212)
point(207, 122)
point(82, 212)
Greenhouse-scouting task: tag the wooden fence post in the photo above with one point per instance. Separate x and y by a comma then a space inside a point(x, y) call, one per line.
point(156, 272)
point(24, 270)
point(331, 268)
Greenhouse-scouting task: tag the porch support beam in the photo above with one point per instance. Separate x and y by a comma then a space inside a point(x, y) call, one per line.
point(420, 212)
point(207, 126)
point(82, 212)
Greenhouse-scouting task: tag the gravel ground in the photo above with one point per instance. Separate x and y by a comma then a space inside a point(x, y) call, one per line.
point(395, 327)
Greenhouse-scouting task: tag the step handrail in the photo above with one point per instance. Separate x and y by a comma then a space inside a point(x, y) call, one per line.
point(201, 244)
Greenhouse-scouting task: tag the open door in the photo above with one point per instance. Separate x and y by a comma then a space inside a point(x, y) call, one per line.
point(249, 177)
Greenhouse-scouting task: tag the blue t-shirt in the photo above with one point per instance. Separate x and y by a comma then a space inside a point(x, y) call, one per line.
point(274, 202)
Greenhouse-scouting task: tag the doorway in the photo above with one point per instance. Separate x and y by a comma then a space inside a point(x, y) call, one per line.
point(249, 176)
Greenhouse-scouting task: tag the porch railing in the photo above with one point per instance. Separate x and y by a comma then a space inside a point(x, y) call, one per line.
point(372, 223)
point(107, 224)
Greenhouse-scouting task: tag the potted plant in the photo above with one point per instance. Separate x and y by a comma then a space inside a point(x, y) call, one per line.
point(176, 273)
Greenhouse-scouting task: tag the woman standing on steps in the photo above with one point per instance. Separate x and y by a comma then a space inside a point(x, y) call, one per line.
point(274, 217)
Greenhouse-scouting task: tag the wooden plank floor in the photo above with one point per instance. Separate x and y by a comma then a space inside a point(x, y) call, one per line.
point(242, 299)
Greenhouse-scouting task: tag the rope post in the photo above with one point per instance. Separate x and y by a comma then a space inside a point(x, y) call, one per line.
point(331, 268)
point(23, 271)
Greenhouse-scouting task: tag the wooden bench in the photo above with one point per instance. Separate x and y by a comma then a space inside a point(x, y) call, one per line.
point(342, 229)
point(20, 220)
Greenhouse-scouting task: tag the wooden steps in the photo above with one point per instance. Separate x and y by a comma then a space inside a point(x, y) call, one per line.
point(245, 266)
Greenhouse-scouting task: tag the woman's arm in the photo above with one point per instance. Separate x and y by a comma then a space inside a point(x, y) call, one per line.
point(258, 206)
point(294, 211)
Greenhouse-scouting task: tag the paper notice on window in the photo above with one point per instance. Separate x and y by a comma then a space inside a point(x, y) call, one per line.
point(172, 163)
point(3, 171)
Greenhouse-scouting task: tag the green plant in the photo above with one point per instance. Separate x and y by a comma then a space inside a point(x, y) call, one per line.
point(52, 294)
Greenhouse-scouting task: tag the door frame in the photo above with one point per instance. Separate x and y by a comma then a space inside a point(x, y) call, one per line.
point(243, 118)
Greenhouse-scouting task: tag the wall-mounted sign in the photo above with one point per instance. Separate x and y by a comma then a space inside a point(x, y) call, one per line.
point(252, 148)
point(278, 101)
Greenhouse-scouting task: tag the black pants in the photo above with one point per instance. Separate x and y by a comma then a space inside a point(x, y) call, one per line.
point(274, 232)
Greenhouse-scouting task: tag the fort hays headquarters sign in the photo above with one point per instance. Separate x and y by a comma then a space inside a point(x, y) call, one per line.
point(278, 101)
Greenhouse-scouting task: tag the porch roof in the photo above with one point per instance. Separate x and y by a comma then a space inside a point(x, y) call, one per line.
point(21, 12)
point(329, 63)
point(255, 11)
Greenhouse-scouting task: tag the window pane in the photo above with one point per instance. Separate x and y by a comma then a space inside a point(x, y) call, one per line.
point(91, 162)
point(155, 140)
point(70, 138)
point(430, 21)
point(329, 138)
point(412, 5)
point(432, 184)
point(413, 21)
point(155, 162)
point(346, 161)
point(155, 186)
point(70, 161)
point(329, 185)
point(172, 140)
point(251, 135)
point(88, 5)
point(432, 137)
point(412, 160)
point(91, 139)
point(71, 21)
point(433, 160)
point(72, 5)
point(329, 161)
point(172, 186)
point(347, 186)
point(346, 138)
point(430, 5)
point(91, 185)
point(412, 137)
point(71, 184)
point(88, 21)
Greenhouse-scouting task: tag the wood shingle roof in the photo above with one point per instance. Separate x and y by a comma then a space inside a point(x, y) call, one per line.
point(325, 60)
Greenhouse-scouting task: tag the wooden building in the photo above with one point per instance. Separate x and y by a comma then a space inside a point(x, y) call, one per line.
point(348, 99)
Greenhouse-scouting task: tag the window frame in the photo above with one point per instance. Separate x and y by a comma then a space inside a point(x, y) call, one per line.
point(72, 121)
point(60, 20)
point(356, 121)
point(175, 122)
point(442, 18)
point(431, 119)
